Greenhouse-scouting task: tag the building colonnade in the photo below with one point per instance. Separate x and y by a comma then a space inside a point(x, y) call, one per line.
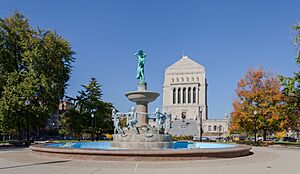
point(185, 95)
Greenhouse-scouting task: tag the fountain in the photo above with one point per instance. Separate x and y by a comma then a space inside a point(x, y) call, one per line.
point(139, 134)
point(141, 139)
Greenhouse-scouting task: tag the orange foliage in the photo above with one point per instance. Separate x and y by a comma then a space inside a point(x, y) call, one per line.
point(258, 91)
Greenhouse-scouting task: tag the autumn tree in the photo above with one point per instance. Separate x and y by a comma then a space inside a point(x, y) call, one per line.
point(259, 105)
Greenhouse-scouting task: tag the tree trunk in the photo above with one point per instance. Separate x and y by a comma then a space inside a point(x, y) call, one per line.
point(265, 135)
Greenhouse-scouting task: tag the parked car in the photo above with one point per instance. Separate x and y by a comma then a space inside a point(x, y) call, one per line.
point(220, 138)
point(272, 139)
point(289, 139)
point(252, 139)
point(203, 138)
point(242, 138)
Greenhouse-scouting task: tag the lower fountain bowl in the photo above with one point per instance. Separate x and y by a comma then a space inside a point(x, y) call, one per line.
point(106, 152)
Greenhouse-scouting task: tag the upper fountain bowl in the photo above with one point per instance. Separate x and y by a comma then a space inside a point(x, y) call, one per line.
point(142, 96)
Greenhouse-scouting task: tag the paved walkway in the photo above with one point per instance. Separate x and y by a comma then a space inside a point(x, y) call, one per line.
point(265, 160)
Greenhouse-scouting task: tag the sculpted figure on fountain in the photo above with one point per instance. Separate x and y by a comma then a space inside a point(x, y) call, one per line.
point(117, 126)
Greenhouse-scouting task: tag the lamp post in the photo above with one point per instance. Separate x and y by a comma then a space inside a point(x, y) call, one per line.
point(255, 112)
point(200, 124)
point(19, 130)
point(52, 132)
point(27, 103)
point(93, 124)
point(219, 132)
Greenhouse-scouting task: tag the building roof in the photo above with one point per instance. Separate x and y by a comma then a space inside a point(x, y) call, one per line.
point(186, 63)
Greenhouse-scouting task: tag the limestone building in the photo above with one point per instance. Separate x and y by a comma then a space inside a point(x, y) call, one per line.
point(184, 90)
point(185, 97)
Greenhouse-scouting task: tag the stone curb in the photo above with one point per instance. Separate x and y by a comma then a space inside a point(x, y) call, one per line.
point(142, 155)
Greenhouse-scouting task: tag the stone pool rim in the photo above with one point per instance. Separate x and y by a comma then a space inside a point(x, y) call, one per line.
point(141, 154)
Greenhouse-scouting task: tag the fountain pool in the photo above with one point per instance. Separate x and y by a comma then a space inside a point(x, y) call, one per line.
point(104, 151)
point(107, 145)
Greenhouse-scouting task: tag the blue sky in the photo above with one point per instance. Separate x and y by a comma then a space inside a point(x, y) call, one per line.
point(227, 37)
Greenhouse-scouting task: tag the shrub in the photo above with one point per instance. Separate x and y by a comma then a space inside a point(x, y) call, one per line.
point(185, 137)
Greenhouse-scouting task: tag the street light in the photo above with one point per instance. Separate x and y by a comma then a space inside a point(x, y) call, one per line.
point(200, 124)
point(27, 103)
point(52, 126)
point(19, 130)
point(255, 112)
point(93, 126)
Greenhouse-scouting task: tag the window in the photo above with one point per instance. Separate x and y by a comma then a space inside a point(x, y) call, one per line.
point(187, 79)
point(192, 78)
point(182, 79)
point(215, 128)
point(220, 128)
point(179, 95)
point(174, 95)
point(172, 79)
point(184, 95)
point(177, 79)
point(189, 95)
point(209, 128)
point(194, 95)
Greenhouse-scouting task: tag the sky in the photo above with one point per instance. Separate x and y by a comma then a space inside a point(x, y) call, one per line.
point(226, 37)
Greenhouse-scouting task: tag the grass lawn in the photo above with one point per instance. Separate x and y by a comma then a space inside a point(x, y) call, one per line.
point(288, 143)
point(3, 142)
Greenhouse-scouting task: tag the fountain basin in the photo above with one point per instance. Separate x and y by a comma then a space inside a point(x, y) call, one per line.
point(105, 152)
point(142, 96)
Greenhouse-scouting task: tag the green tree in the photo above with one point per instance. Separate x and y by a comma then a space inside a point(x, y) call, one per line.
point(292, 89)
point(34, 64)
point(72, 123)
point(88, 102)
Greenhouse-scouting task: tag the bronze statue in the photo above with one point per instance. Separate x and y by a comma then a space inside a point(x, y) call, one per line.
point(140, 68)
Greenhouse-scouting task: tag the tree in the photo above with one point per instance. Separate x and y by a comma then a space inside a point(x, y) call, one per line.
point(259, 92)
point(34, 64)
point(87, 102)
point(291, 89)
point(71, 122)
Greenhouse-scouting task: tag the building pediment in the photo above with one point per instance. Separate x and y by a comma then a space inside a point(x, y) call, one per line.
point(186, 63)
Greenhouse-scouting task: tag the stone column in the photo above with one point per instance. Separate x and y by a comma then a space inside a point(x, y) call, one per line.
point(142, 106)
point(142, 118)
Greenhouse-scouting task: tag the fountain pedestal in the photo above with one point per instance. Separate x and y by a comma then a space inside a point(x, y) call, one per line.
point(142, 139)
point(142, 98)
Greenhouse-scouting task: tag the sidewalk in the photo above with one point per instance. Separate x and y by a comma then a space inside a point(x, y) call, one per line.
point(266, 160)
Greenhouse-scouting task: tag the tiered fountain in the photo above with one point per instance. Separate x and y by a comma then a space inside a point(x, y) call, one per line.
point(139, 139)
point(139, 134)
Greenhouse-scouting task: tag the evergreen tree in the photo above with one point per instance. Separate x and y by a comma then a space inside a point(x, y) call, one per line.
point(88, 102)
